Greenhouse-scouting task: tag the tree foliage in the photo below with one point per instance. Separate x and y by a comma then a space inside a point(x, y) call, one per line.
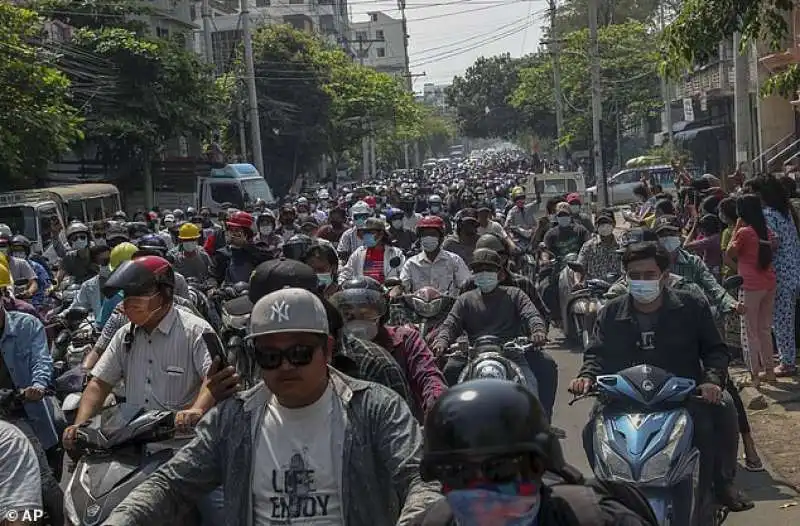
point(481, 97)
point(694, 35)
point(36, 118)
point(630, 89)
point(573, 15)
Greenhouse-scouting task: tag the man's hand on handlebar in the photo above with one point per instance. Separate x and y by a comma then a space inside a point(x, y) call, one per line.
point(711, 393)
point(538, 338)
point(580, 386)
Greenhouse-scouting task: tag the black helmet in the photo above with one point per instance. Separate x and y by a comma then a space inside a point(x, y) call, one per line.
point(151, 244)
point(492, 242)
point(140, 276)
point(20, 241)
point(482, 418)
point(297, 246)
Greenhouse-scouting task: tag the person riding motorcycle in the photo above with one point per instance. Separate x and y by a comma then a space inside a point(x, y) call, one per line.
point(350, 239)
point(287, 219)
point(335, 228)
point(89, 296)
point(399, 236)
point(490, 310)
point(407, 204)
point(489, 445)
point(76, 262)
point(463, 241)
point(376, 259)
point(323, 259)
point(521, 219)
point(433, 267)
point(362, 303)
point(241, 256)
point(600, 256)
point(574, 202)
point(547, 221)
point(675, 331)
point(188, 257)
point(266, 236)
point(20, 248)
point(436, 208)
point(561, 240)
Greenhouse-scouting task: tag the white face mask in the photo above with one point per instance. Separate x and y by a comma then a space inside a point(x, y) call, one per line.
point(575, 208)
point(20, 255)
point(397, 225)
point(605, 229)
point(302, 215)
point(644, 290)
point(563, 221)
point(362, 329)
point(670, 243)
point(486, 281)
point(429, 243)
point(79, 244)
point(189, 246)
point(265, 230)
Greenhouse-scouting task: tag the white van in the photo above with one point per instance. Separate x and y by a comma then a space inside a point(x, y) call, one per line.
point(622, 183)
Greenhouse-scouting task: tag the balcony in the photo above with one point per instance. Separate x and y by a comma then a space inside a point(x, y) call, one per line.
point(790, 54)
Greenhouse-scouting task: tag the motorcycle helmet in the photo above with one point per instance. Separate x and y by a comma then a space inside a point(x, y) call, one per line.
point(151, 245)
point(485, 418)
point(492, 242)
point(394, 213)
point(297, 246)
point(140, 276)
point(121, 253)
point(241, 220)
point(427, 302)
point(360, 299)
point(432, 223)
point(76, 228)
point(188, 232)
point(20, 243)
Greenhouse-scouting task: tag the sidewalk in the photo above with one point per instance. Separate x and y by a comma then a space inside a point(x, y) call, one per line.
point(774, 412)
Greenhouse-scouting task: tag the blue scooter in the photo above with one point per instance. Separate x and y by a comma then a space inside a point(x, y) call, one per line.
point(643, 436)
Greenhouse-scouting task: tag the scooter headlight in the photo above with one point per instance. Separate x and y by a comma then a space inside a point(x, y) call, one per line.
point(616, 466)
point(658, 466)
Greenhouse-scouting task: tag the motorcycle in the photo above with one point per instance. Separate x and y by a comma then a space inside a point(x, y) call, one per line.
point(582, 304)
point(487, 357)
point(234, 311)
point(432, 307)
point(117, 455)
point(643, 435)
point(74, 337)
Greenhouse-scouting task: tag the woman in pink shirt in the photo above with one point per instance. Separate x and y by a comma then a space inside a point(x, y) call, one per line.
point(751, 246)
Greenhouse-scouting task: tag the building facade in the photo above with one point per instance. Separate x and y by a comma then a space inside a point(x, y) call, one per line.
point(379, 43)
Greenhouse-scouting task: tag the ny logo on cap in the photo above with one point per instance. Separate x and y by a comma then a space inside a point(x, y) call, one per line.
point(280, 311)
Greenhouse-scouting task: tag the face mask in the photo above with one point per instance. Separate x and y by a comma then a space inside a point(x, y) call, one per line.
point(369, 239)
point(235, 239)
point(104, 271)
point(478, 507)
point(100, 242)
point(575, 208)
point(139, 310)
point(189, 246)
point(324, 278)
point(19, 255)
point(79, 244)
point(265, 230)
point(360, 221)
point(362, 329)
point(486, 281)
point(670, 243)
point(397, 225)
point(563, 221)
point(429, 243)
point(644, 290)
point(435, 208)
point(605, 230)
point(302, 215)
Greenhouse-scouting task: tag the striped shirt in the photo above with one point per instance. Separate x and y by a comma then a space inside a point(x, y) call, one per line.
point(163, 369)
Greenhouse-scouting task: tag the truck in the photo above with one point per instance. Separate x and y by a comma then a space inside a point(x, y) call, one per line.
point(237, 184)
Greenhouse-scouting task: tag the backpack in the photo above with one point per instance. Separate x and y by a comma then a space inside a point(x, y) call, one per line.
point(582, 505)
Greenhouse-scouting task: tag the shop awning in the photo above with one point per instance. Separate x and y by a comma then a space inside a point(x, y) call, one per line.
point(690, 135)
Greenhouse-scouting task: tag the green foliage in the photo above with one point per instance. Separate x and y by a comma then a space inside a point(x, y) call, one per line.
point(487, 85)
point(96, 14)
point(573, 15)
point(630, 90)
point(36, 118)
point(155, 91)
point(693, 38)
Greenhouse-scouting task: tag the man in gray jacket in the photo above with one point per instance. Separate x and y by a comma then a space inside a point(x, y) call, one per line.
point(308, 442)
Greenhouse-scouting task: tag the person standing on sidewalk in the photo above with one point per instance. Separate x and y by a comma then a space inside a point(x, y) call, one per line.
point(751, 247)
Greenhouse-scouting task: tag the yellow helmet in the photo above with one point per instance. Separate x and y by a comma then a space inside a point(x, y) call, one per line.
point(120, 253)
point(188, 232)
point(517, 191)
point(5, 274)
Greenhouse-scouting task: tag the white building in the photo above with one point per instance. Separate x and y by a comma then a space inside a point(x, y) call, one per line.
point(433, 95)
point(326, 17)
point(379, 44)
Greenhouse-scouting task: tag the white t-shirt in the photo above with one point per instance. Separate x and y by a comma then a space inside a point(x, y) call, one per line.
point(20, 483)
point(297, 476)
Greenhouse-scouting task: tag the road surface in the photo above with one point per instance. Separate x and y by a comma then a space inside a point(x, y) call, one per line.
point(768, 494)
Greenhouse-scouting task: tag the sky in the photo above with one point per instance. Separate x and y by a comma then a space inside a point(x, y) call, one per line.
point(446, 36)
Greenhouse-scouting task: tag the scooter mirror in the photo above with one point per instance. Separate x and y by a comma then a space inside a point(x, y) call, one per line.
point(733, 282)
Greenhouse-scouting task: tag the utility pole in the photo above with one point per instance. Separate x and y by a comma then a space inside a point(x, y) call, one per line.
point(255, 121)
point(555, 51)
point(741, 104)
point(205, 10)
point(597, 109)
point(367, 146)
point(666, 96)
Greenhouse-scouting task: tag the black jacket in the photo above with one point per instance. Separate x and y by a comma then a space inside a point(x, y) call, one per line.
point(686, 341)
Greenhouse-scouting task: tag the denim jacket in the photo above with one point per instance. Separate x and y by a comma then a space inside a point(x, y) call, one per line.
point(27, 358)
point(381, 485)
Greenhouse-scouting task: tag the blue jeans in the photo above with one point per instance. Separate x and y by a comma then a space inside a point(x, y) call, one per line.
point(211, 508)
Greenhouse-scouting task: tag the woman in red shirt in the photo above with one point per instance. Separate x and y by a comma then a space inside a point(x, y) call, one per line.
point(751, 246)
point(376, 258)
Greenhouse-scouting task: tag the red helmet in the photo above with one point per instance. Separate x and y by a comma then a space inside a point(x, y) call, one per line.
point(240, 220)
point(574, 198)
point(371, 201)
point(433, 222)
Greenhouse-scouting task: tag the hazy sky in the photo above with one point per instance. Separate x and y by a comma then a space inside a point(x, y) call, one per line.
point(446, 36)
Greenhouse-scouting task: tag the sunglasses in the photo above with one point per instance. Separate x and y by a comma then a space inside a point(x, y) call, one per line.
point(269, 358)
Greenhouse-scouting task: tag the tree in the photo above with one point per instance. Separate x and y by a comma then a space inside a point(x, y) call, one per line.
point(36, 118)
point(573, 15)
point(694, 35)
point(481, 97)
point(628, 61)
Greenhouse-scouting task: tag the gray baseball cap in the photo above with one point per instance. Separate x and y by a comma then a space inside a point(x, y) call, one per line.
point(288, 310)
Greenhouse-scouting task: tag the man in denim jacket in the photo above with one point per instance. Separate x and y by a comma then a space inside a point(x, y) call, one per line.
point(306, 442)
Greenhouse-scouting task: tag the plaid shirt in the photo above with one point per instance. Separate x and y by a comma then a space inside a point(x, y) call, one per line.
point(369, 361)
point(600, 259)
point(692, 269)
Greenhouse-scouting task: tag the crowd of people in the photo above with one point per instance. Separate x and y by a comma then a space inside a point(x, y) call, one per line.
point(332, 431)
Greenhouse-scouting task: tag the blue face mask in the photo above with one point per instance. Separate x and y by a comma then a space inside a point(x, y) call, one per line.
point(369, 239)
point(486, 281)
point(360, 221)
point(482, 507)
point(324, 278)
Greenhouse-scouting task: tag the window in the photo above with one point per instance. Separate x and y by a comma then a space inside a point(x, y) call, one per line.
point(227, 193)
point(373, 17)
point(379, 34)
point(362, 53)
point(361, 35)
point(94, 208)
point(297, 2)
point(262, 3)
point(162, 32)
point(20, 219)
point(75, 211)
point(326, 24)
point(381, 52)
point(48, 216)
point(110, 205)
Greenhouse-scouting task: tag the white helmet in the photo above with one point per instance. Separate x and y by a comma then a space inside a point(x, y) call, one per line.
point(360, 208)
point(434, 199)
point(5, 230)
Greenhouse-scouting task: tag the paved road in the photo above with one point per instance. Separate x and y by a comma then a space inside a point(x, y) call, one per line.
point(768, 494)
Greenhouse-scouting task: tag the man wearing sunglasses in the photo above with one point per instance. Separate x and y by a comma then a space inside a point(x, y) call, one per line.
point(308, 444)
